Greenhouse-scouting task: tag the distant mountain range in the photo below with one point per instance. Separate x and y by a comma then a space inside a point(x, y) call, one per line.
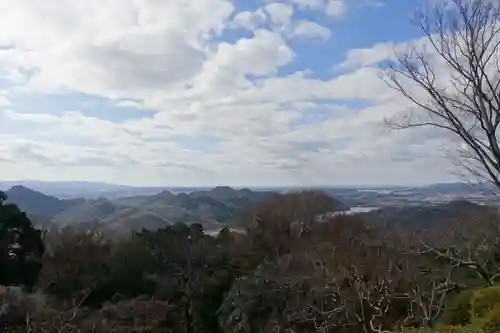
point(131, 208)
point(213, 208)
point(81, 189)
point(94, 190)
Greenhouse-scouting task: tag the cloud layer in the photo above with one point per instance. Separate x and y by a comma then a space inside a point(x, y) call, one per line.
point(168, 92)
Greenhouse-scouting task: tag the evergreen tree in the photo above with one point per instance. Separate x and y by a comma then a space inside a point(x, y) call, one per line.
point(21, 247)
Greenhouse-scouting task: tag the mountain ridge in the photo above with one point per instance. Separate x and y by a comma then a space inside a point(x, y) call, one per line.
point(219, 206)
point(95, 189)
point(430, 216)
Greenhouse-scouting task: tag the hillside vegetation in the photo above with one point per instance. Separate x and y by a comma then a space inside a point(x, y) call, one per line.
point(287, 272)
point(429, 217)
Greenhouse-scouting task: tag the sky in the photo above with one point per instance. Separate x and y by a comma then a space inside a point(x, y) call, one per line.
point(209, 92)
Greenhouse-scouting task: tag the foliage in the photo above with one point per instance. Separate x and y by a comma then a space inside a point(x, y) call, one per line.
point(196, 270)
point(490, 322)
point(291, 271)
point(21, 247)
point(445, 329)
point(15, 304)
point(459, 309)
point(75, 264)
point(130, 262)
point(26, 313)
point(484, 300)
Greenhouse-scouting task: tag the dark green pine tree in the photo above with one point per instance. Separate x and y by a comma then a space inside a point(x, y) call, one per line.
point(21, 247)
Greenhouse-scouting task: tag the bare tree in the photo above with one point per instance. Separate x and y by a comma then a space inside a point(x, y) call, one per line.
point(277, 223)
point(472, 245)
point(454, 77)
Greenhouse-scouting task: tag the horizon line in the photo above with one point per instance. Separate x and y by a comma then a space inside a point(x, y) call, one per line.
point(345, 186)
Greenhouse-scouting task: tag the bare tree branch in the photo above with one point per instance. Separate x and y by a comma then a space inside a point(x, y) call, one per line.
point(456, 80)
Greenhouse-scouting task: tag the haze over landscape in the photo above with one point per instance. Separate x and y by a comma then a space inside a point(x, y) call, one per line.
point(248, 93)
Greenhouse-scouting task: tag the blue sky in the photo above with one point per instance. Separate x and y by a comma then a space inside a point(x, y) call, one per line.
point(207, 92)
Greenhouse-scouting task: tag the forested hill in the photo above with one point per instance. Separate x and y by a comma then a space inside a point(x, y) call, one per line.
point(212, 208)
point(430, 216)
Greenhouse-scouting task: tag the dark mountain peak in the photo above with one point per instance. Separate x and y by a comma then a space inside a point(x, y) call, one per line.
point(218, 193)
point(35, 203)
point(223, 190)
point(20, 188)
point(19, 191)
point(165, 194)
point(182, 195)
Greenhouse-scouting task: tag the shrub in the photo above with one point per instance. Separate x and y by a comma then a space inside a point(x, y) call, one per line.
point(445, 329)
point(491, 322)
point(141, 314)
point(484, 300)
point(454, 329)
point(21, 312)
point(75, 264)
point(458, 310)
point(15, 305)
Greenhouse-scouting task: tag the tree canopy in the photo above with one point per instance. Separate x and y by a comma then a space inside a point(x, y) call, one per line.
point(21, 247)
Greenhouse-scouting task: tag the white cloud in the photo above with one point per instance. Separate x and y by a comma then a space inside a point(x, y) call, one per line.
point(4, 102)
point(127, 103)
point(356, 58)
point(127, 49)
point(335, 7)
point(264, 119)
point(260, 55)
point(378, 52)
point(309, 29)
point(280, 13)
point(249, 20)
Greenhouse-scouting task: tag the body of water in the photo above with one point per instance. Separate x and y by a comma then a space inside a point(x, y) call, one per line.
point(359, 210)
point(354, 211)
